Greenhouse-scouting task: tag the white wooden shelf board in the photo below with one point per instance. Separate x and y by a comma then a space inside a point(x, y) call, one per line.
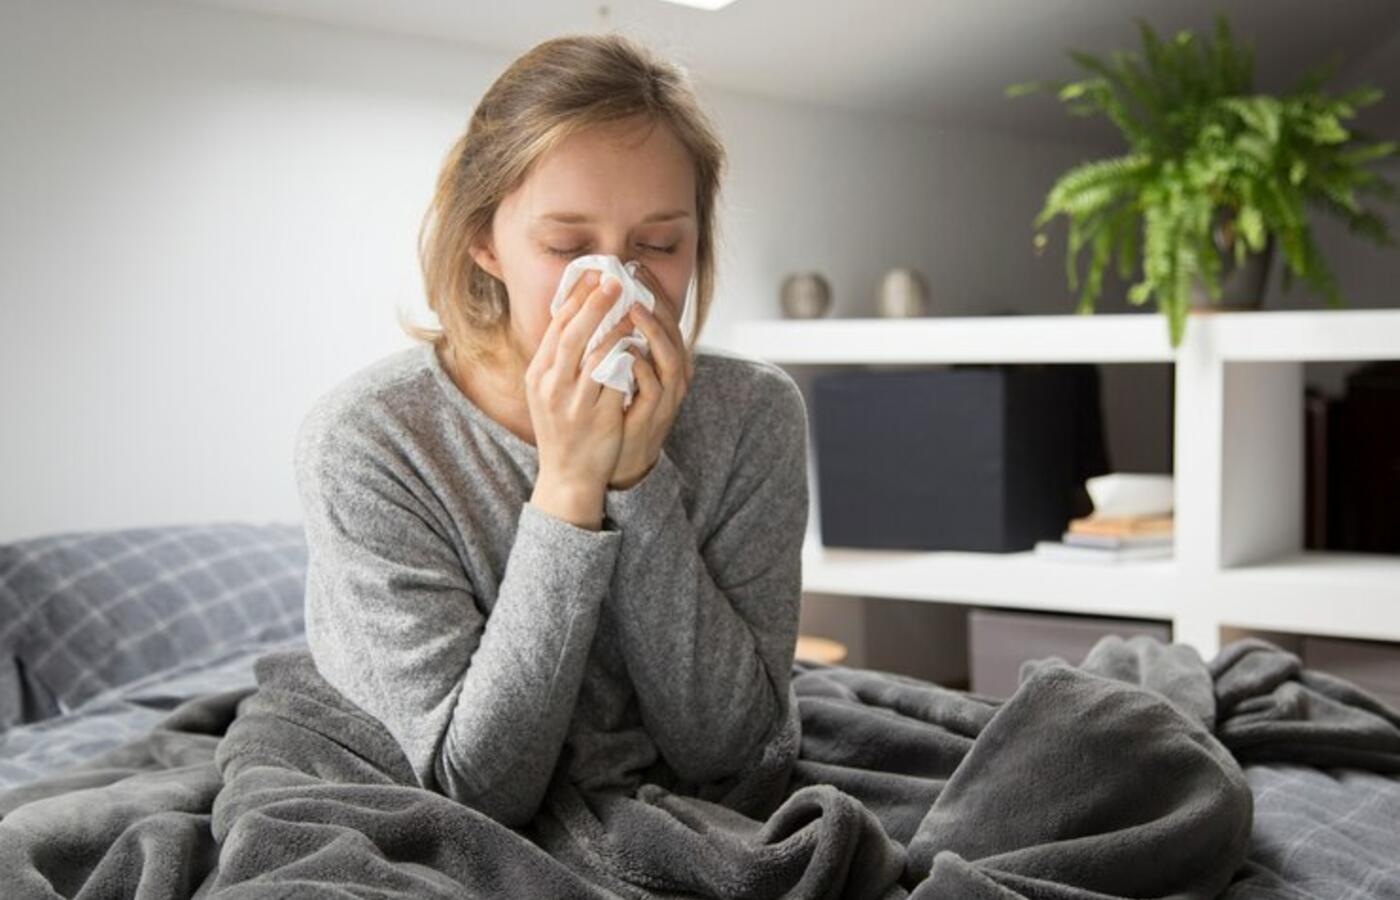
point(1280, 335)
point(1124, 337)
point(1303, 335)
point(1139, 590)
point(1313, 592)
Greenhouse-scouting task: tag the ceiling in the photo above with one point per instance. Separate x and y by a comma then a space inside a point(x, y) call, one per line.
point(944, 61)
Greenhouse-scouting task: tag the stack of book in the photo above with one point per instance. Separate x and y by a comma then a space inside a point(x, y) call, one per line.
point(1099, 538)
point(1132, 519)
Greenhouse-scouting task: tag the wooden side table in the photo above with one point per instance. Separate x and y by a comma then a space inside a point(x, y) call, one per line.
point(820, 650)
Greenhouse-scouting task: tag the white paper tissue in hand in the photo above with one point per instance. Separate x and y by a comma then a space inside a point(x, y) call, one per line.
point(615, 371)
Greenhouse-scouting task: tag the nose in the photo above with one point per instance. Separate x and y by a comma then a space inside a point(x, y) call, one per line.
point(616, 246)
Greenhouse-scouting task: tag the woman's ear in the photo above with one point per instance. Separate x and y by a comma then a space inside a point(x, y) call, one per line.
point(485, 256)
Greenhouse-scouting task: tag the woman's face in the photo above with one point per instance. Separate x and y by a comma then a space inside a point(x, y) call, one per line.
point(626, 189)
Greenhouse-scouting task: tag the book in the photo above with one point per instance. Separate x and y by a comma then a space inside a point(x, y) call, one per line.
point(1122, 525)
point(1073, 553)
point(1114, 541)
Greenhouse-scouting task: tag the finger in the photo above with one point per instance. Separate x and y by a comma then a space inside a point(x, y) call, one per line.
point(667, 312)
point(577, 295)
point(583, 286)
point(668, 362)
point(615, 400)
point(657, 291)
point(580, 328)
point(669, 318)
point(598, 353)
point(608, 396)
point(673, 328)
point(648, 386)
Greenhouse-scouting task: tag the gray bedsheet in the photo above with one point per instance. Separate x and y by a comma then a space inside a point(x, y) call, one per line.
point(1120, 777)
point(124, 714)
point(1321, 834)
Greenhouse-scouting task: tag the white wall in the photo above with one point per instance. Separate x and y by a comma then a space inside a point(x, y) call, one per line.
point(208, 217)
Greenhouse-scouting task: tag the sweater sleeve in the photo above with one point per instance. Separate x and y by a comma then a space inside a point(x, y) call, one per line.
point(480, 705)
point(709, 629)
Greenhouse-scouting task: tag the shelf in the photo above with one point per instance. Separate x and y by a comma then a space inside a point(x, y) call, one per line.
point(1336, 594)
point(1137, 590)
point(1238, 463)
point(1307, 335)
point(955, 339)
point(1303, 336)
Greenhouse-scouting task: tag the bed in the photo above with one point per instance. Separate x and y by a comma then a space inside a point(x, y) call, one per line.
point(132, 663)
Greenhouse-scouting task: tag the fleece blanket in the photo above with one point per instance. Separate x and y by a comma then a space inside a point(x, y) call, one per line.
point(1118, 777)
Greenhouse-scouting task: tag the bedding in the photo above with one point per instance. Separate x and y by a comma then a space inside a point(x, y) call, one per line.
point(1321, 834)
point(1143, 772)
point(84, 612)
point(124, 713)
point(210, 759)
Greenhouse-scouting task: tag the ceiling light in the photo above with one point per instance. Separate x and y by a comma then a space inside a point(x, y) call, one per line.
point(703, 4)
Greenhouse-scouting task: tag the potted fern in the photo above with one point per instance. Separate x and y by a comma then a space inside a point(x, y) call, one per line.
point(1214, 177)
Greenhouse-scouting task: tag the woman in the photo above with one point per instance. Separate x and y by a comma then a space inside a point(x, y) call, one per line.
point(517, 577)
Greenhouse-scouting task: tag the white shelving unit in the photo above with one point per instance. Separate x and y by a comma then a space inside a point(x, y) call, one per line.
point(1238, 448)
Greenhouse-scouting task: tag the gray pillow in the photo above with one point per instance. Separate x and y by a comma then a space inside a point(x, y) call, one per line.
point(11, 711)
point(84, 612)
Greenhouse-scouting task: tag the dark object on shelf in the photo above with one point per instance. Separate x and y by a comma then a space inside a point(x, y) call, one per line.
point(1321, 415)
point(998, 642)
point(1373, 446)
point(1352, 464)
point(1090, 437)
point(982, 458)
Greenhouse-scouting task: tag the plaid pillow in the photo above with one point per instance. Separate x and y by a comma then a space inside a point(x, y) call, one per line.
point(11, 696)
point(84, 612)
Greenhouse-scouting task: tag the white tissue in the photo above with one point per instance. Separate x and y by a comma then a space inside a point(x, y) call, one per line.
point(615, 371)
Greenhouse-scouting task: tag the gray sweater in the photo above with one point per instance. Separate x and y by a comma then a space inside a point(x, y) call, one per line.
point(501, 645)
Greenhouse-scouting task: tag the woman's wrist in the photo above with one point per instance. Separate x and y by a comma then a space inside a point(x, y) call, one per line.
point(580, 505)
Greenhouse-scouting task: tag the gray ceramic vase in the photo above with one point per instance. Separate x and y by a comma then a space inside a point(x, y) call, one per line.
point(805, 295)
point(903, 294)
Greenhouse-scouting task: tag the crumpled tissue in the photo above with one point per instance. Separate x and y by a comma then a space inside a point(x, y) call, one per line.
point(615, 371)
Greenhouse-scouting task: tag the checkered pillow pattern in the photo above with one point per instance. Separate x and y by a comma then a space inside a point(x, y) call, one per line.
point(83, 612)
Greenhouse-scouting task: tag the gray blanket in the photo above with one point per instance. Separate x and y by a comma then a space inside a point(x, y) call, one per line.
point(1120, 777)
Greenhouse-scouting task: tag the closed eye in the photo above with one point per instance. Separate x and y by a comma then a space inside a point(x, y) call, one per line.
point(577, 250)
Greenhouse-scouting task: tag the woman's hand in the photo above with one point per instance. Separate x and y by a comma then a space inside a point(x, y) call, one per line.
point(661, 385)
point(577, 421)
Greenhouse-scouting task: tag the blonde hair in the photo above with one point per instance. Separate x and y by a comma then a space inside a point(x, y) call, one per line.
point(555, 89)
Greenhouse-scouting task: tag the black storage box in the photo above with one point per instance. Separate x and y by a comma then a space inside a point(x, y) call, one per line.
point(974, 458)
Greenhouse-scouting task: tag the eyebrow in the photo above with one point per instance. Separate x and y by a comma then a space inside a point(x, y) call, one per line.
point(573, 218)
